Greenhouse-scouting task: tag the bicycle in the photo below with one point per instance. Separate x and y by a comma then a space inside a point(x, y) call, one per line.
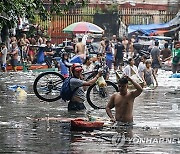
point(47, 87)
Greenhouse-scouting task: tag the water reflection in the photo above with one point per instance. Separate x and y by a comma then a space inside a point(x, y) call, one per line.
point(156, 118)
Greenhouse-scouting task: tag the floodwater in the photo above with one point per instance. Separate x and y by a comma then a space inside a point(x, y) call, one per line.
point(156, 118)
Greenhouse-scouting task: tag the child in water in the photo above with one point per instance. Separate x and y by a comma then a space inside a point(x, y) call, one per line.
point(149, 75)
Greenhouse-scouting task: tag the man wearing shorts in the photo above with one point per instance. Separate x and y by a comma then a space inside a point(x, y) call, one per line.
point(118, 54)
point(14, 56)
point(155, 56)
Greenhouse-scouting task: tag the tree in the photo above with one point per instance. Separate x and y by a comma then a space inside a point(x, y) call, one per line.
point(12, 10)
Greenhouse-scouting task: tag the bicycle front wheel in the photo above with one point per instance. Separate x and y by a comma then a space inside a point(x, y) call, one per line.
point(47, 86)
point(98, 97)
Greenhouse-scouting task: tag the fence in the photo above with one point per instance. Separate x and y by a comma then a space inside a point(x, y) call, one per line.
point(127, 16)
point(139, 16)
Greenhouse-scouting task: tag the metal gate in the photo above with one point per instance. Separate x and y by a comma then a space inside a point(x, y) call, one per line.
point(109, 22)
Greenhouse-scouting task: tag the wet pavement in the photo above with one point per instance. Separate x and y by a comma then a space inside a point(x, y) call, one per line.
point(156, 118)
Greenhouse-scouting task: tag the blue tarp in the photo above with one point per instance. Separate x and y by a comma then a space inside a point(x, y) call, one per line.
point(147, 29)
point(147, 32)
point(14, 87)
point(76, 59)
point(175, 75)
point(151, 28)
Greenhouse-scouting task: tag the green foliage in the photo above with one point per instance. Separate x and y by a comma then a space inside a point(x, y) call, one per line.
point(13, 9)
point(107, 9)
point(60, 7)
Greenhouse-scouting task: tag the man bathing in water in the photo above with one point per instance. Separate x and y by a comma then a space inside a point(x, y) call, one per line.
point(123, 101)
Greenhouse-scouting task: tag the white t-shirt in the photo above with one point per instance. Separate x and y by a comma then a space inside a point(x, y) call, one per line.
point(88, 68)
point(141, 68)
point(130, 70)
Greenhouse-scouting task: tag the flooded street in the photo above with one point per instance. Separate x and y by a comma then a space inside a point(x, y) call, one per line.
point(156, 118)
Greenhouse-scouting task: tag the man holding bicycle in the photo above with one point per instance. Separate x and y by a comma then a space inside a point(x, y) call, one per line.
point(77, 101)
point(123, 101)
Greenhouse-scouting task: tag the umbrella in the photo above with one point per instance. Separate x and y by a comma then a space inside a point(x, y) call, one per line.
point(83, 27)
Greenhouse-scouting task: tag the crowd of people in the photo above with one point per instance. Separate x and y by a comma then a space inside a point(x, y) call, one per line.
point(18, 50)
point(111, 54)
point(113, 50)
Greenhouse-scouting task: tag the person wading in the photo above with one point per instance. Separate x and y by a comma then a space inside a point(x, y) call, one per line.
point(123, 102)
point(77, 101)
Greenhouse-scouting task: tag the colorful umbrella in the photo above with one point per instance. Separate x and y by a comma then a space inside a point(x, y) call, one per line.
point(83, 27)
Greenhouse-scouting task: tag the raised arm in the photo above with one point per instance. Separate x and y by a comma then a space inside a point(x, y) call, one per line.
point(92, 81)
point(67, 64)
point(138, 90)
point(168, 58)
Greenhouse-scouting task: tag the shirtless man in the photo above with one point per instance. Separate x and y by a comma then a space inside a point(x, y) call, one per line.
point(80, 47)
point(123, 101)
point(102, 45)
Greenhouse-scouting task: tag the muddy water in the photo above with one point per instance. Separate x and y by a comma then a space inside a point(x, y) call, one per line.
point(156, 118)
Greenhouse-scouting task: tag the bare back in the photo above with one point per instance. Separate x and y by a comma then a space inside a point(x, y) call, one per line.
point(80, 48)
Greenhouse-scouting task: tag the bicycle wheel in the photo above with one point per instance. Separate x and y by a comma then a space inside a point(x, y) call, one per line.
point(98, 97)
point(47, 86)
